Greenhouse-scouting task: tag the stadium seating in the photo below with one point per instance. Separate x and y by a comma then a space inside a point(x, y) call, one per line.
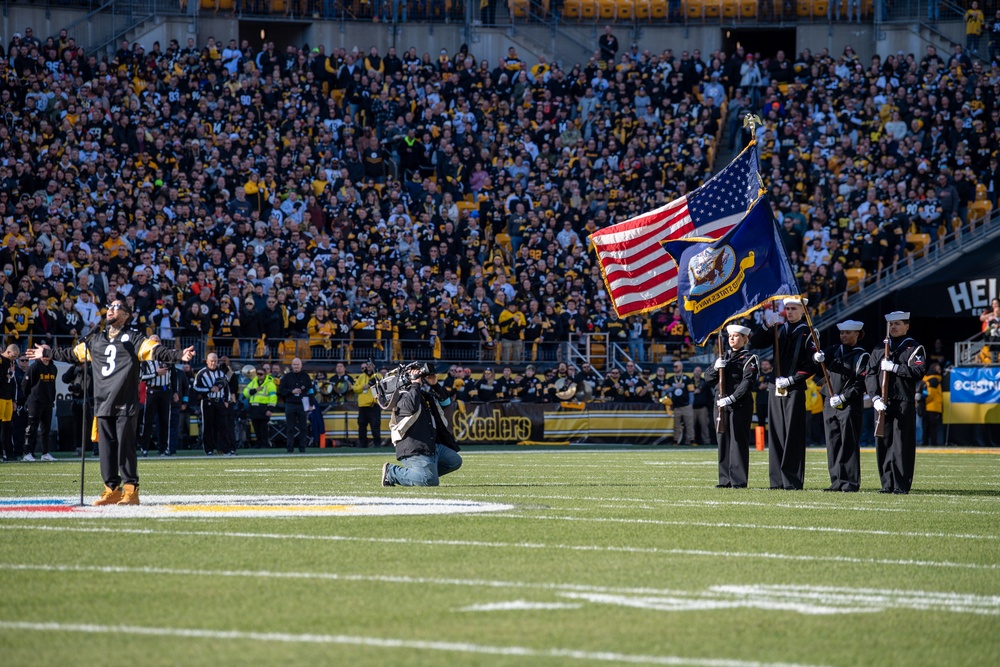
point(518, 8)
point(658, 9)
point(748, 9)
point(606, 10)
point(642, 10)
point(855, 279)
point(919, 243)
point(588, 10)
point(625, 10)
point(572, 10)
point(713, 8)
point(819, 8)
point(730, 9)
point(694, 9)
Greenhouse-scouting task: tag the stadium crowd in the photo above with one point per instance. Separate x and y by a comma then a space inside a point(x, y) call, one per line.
point(344, 199)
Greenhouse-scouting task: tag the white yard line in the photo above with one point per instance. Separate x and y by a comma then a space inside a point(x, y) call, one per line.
point(517, 545)
point(755, 526)
point(387, 643)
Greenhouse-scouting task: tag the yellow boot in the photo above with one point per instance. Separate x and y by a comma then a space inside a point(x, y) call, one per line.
point(130, 496)
point(109, 497)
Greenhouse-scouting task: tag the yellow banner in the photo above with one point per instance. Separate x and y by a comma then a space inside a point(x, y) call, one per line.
point(724, 292)
point(969, 413)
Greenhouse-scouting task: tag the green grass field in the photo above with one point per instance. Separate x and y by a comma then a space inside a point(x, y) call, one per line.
point(625, 556)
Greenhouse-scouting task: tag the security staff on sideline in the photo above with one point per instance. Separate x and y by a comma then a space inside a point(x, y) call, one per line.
point(843, 406)
point(158, 377)
point(212, 385)
point(905, 366)
point(424, 443)
point(369, 413)
point(738, 370)
point(681, 397)
point(262, 395)
point(39, 389)
point(114, 352)
point(297, 390)
point(793, 352)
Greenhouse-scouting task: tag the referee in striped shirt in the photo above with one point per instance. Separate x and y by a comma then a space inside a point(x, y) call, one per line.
point(212, 385)
point(159, 379)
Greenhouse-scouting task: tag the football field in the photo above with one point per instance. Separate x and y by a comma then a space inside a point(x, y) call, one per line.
point(522, 557)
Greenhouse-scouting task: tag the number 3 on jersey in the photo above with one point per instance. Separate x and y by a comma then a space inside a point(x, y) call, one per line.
point(110, 351)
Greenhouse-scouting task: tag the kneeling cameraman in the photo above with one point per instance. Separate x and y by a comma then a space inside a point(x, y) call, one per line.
point(424, 444)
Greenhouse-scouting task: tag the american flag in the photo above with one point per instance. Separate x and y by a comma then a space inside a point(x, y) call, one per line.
point(639, 273)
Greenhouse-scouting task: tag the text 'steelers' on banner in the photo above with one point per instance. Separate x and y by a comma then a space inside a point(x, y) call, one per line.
point(727, 278)
point(639, 274)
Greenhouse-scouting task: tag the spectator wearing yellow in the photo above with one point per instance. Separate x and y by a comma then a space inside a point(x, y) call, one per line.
point(19, 318)
point(320, 329)
point(974, 22)
point(512, 324)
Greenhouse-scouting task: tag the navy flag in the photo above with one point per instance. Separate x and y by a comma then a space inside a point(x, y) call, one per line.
point(721, 280)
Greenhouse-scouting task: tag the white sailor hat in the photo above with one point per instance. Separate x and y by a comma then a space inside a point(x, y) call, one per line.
point(851, 325)
point(737, 329)
point(897, 316)
point(801, 300)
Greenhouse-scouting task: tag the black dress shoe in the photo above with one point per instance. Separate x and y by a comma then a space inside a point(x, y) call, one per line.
point(885, 490)
point(830, 488)
point(776, 488)
point(723, 486)
point(738, 486)
point(900, 492)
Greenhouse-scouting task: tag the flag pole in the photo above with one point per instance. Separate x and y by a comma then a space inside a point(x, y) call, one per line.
point(812, 330)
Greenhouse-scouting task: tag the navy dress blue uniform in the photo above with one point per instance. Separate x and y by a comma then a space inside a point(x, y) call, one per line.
point(787, 405)
point(736, 405)
point(846, 366)
point(896, 450)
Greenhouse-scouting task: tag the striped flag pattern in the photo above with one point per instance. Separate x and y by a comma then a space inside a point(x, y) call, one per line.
point(638, 272)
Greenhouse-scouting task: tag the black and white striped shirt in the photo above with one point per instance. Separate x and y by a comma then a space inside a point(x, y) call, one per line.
point(148, 374)
point(205, 381)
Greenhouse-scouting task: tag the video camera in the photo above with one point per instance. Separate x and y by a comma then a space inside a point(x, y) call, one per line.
point(389, 387)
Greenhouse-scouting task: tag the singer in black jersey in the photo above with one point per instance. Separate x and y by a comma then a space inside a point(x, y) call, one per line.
point(114, 352)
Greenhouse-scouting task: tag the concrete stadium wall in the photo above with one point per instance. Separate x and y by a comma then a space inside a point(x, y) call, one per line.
point(576, 45)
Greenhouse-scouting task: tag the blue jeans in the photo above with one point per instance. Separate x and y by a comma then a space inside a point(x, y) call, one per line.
point(422, 470)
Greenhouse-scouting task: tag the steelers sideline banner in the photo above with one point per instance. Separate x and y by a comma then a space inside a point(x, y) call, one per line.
point(537, 423)
point(974, 396)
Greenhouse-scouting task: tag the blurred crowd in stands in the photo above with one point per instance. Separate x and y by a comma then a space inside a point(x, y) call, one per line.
point(340, 204)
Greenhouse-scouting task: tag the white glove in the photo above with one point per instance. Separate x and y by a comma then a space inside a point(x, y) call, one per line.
point(879, 404)
point(889, 366)
point(836, 401)
point(725, 402)
point(783, 382)
point(771, 318)
point(720, 363)
point(819, 357)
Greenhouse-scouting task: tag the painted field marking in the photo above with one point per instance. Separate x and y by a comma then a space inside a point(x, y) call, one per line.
point(801, 598)
point(388, 643)
point(243, 506)
point(808, 600)
point(754, 526)
point(521, 605)
point(516, 545)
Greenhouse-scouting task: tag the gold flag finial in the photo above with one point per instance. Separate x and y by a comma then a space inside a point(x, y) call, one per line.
point(752, 121)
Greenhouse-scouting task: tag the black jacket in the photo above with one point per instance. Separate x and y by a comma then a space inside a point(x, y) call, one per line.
point(847, 368)
point(419, 425)
point(39, 385)
point(912, 360)
point(740, 374)
point(794, 356)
